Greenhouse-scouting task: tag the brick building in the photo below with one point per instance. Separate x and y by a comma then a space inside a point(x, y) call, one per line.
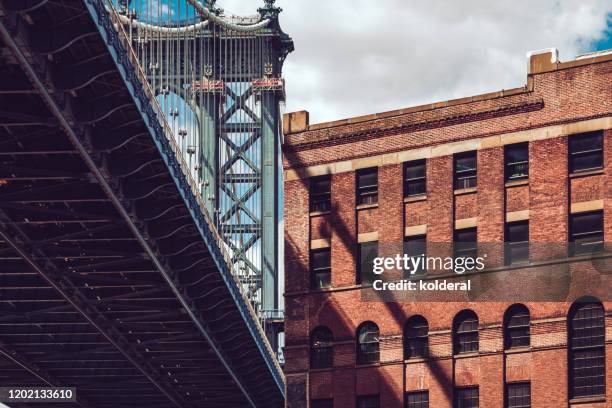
point(531, 164)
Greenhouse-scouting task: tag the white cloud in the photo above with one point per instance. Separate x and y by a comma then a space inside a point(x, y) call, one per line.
point(361, 56)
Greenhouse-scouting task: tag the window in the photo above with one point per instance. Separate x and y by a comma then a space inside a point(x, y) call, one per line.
point(367, 252)
point(465, 170)
point(516, 327)
point(368, 401)
point(466, 397)
point(367, 186)
point(320, 268)
point(516, 158)
point(415, 337)
point(415, 247)
point(465, 332)
point(320, 193)
point(417, 399)
point(586, 233)
point(415, 178)
point(586, 152)
point(517, 243)
point(322, 403)
point(518, 395)
point(367, 343)
point(465, 243)
point(321, 348)
point(587, 376)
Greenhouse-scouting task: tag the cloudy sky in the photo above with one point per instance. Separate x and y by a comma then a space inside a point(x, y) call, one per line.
point(357, 57)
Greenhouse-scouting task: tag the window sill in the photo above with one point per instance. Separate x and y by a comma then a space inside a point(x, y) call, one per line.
point(467, 355)
point(462, 191)
point(317, 213)
point(366, 206)
point(415, 360)
point(586, 173)
point(415, 198)
point(587, 400)
point(320, 370)
point(516, 183)
point(518, 350)
point(366, 365)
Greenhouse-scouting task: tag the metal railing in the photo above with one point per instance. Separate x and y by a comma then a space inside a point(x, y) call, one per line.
point(108, 7)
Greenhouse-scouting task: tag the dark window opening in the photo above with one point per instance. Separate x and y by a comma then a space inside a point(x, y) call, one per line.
point(320, 193)
point(368, 401)
point(416, 338)
point(517, 327)
point(465, 332)
point(322, 403)
point(367, 252)
point(416, 246)
point(518, 395)
point(368, 338)
point(417, 399)
point(587, 353)
point(586, 233)
point(517, 243)
point(465, 243)
point(367, 186)
point(320, 268)
point(415, 182)
point(466, 397)
point(321, 348)
point(465, 170)
point(586, 152)
point(517, 161)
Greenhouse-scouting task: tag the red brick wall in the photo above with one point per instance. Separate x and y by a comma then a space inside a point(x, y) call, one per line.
point(344, 230)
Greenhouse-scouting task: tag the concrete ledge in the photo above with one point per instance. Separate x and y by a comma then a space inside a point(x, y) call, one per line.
point(367, 237)
point(517, 216)
point(466, 223)
point(320, 243)
point(586, 206)
point(415, 230)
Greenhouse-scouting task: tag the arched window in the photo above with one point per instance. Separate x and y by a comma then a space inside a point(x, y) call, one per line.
point(516, 327)
point(586, 335)
point(465, 332)
point(415, 337)
point(368, 338)
point(321, 348)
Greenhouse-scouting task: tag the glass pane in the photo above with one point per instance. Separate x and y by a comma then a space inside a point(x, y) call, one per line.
point(367, 252)
point(367, 178)
point(415, 169)
point(517, 153)
point(320, 259)
point(517, 231)
point(587, 222)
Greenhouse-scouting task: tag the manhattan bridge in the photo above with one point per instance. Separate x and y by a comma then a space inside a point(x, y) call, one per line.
point(139, 178)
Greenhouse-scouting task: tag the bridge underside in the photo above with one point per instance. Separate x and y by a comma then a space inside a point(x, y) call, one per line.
point(107, 282)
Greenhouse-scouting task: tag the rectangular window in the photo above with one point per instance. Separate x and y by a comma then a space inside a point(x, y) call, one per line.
point(518, 395)
point(466, 397)
point(465, 243)
point(367, 186)
point(368, 401)
point(417, 399)
point(320, 193)
point(516, 158)
point(586, 233)
point(465, 170)
point(416, 246)
point(322, 403)
point(415, 178)
point(517, 243)
point(586, 152)
point(320, 268)
point(367, 252)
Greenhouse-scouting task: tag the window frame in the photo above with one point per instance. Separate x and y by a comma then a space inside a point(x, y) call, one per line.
point(421, 340)
point(464, 250)
point(509, 166)
point(361, 276)
point(418, 240)
point(362, 400)
point(322, 403)
point(366, 194)
point(367, 352)
point(595, 246)
point(314, 272)
point(467, 178)
point(595, 151)
point(419, 183)
point(517, 311)
point(462, 336)
point(510, 245)
point(586, 347)
point(423, 399)
point(321, 356)
point(457, 403)
point(508, 403)
point(320, 201)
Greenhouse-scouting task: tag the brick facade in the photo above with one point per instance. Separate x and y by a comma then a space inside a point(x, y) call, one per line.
point(559, 100)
